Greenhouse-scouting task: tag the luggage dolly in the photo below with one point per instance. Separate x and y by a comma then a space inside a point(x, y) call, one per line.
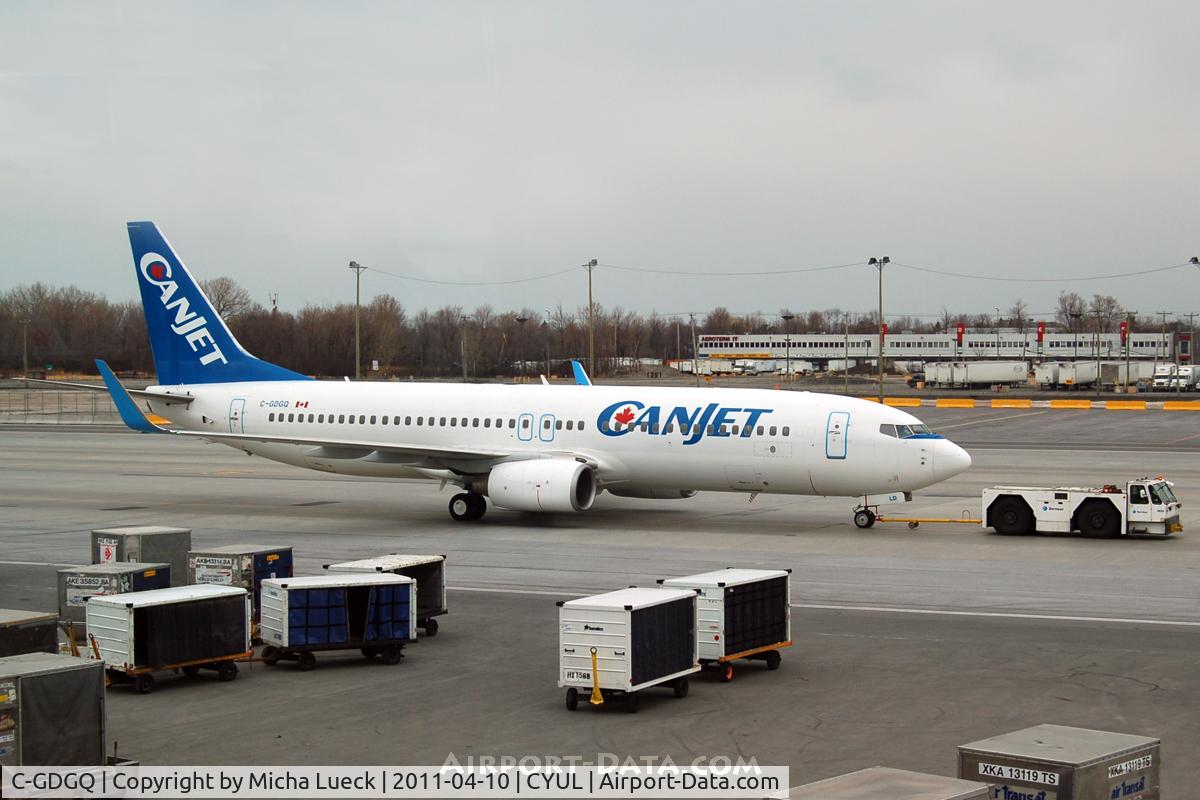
point(143, 681)
point(724, 665)
point(388, 651)
point(599, 697)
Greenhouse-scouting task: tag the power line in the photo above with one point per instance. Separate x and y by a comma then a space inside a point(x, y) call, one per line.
point(1071, 279)
point(475, 283)
point(730, 274)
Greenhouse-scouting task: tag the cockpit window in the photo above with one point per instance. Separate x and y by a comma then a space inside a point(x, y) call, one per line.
point(921, 429)
point(904, 431)
point(887, 430)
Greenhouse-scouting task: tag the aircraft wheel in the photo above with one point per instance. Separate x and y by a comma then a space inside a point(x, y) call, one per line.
point(476, 506)
point(864, 518)
point(460, 506)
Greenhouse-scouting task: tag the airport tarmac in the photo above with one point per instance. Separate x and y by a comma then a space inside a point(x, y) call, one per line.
point(908, 642)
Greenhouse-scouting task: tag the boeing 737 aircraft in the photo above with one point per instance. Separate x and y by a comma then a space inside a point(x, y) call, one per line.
point(538, 448)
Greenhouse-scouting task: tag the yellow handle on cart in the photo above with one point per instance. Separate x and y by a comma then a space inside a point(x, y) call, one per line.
point(597, 698)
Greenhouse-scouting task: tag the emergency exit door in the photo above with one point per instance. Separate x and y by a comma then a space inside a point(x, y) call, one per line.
point(837, 430)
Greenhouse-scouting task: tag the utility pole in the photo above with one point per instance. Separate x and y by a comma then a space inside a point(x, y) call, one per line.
point(521, 346)
point(695, 362)
point(878, 263)
point(358, 271)
point(997, 333)
point(846, 353)
point(1129, 318)
point(1162, 342)
point(25, 347)
point(589, 266)
point(1097, 340)
point(787, 318)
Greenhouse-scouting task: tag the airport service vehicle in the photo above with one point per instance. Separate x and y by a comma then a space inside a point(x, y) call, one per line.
point(1143, 506)
point(620, 643)
point(186, 628)
point(740, 614)
point(428, 571)
point(533, 448)
point(374, 613)
point(1185, 378)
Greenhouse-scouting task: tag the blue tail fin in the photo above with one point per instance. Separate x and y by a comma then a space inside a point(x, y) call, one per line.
point(190, 341)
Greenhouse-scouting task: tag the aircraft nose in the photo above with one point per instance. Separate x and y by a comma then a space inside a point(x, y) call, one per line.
point(949, 460)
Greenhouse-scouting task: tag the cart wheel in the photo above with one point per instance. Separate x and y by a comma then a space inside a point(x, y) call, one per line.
point(912, 526)
point(270, 655)
point(431, 626)
point(306, 661)
point(572, 699)
point(227, 670)
point(144, 684)
point(191, 670)
point(681, 687)
point(391, 654)
point(369, 653)
point(727, 673)
point(631, 702)
point(773, 659)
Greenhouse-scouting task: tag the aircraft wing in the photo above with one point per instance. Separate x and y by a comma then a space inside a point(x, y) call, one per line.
point(389, 452)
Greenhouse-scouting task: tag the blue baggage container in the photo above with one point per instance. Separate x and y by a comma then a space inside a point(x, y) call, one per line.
point(375, 613)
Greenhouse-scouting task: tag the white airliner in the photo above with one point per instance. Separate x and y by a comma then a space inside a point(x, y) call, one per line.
point(537, 448)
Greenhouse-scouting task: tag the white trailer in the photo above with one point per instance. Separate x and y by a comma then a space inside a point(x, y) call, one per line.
point(1143, 506)
point(740, 614)
point(1047, 374)
point(1185, 378)
point(619, 643)
point(977, 373)
point(1078, 373)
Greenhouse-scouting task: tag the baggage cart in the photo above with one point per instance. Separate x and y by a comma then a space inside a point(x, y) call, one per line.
point(373, 613)
point(144, 543)
point(77, 584)
point(740, 614)
point(51, 711)
point(429, 573)
point(894, 784)
point(27, 632)
point(186, 628)
point(1065, 763)
point(620, 643)
point(244, 565)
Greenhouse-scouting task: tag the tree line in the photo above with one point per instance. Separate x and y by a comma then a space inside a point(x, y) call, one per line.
point(65, 328)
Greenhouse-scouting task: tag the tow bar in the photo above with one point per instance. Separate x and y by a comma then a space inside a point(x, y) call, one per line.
point(915, 522)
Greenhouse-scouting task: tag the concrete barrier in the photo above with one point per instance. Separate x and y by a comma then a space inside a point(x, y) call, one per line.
point(1181, 405)
point(1076, 404)
point(903, 402)
point(1125, 405)
point(1012, 403)
point(955, 402)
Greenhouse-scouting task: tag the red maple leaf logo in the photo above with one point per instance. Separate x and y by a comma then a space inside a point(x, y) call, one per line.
point(625, 416)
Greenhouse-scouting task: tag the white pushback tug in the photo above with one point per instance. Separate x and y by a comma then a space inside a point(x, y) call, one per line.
point(1142, 506)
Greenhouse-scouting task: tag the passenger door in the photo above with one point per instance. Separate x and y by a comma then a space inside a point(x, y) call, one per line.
point(237, 410)
point(837, 434)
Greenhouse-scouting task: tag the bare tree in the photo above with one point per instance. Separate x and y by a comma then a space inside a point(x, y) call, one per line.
point(228, 297)
point(1070, 307)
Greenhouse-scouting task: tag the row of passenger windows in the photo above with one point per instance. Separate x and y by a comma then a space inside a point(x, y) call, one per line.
point(442, 422)
point(711, 430)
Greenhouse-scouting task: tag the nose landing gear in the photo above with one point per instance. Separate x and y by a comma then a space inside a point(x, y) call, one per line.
point(864, 517)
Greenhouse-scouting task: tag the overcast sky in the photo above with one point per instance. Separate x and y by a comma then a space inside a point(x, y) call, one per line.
point(274, 142)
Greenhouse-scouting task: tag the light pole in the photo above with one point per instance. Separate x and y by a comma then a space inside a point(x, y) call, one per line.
point(695, 361)
point(589, 266)
point(997, 334)
point(846, 353)
point(522, 321)
point(878, 263)
point(1163, 343)
point(787, 318)
point(358, 271)
point(1097, 340)
point(1130, 316)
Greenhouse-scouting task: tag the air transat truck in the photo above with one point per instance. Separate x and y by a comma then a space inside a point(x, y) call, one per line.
point(1142, 506)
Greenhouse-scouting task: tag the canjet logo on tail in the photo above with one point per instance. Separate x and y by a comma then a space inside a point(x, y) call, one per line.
point(693, 423)
point(189, 324)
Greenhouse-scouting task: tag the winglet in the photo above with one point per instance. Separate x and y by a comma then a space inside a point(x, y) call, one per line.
point(581, 377)
point(131, 415)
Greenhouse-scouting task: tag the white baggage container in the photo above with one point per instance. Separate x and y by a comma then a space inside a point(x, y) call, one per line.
point(740, 614)
point(429, 573)
point(374, 613)
point(183, 627)
point(622, 642)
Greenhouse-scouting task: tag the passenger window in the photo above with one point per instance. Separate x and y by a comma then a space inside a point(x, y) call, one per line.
point(351, 419)
point(362, 419)
point(341, 418)
point(887, 430)
point(475, 422)
point(670, 427)
point(310, 417)
point(407, 420)
point(787, 431)
point(685, 429)
point(724, 430)
point(1137, 494)
point(512, 423)
point(271, 417)
point(420, 420)
point(580, 425)
point(291, 417)
point(558, 424)
point(442, 422)
point(464, 422)
point(760, 430)
point(525, 424)
point(711, 430)
point(546, 424)
point(570, 424)
point(487, 422)
point(772, 430)
point(645, 427)
point(320, 417)
point(453, 421)
point(736, 428)
point(499, 422)
point(372, 419)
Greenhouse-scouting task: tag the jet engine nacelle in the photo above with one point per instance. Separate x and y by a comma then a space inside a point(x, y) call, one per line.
point(651, 494)
point(542, 484)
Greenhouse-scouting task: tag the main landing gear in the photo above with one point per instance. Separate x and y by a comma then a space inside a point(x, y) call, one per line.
point(864, 516)
point(467, 506)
